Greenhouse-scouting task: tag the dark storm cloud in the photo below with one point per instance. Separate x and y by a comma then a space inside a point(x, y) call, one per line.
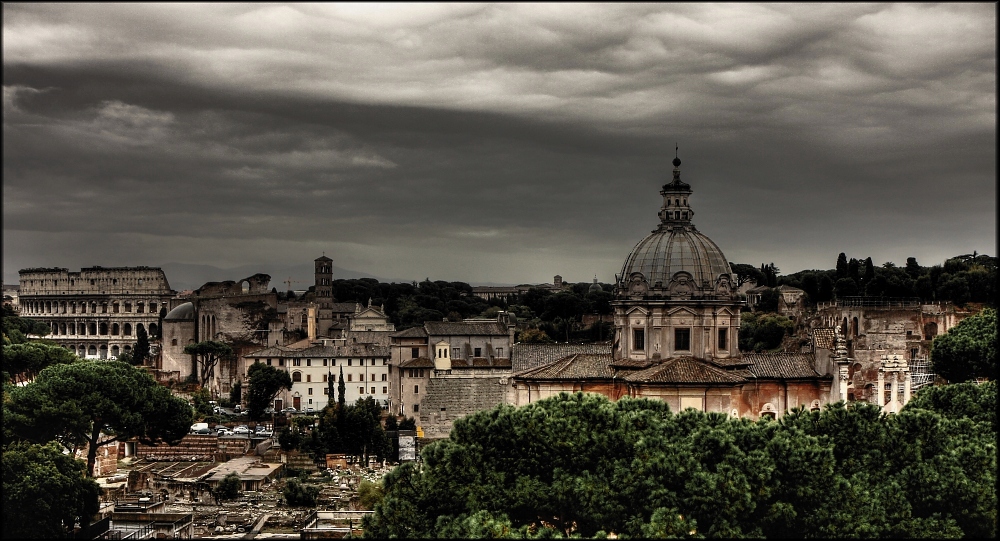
point(493, 142)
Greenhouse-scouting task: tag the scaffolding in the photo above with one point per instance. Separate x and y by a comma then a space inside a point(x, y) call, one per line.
point(920, 373)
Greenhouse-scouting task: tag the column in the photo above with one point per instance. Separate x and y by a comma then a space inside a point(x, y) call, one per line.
point(880, 389)
point(907, 381)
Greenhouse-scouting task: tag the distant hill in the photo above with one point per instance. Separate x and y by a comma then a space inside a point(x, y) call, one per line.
point(183, 276)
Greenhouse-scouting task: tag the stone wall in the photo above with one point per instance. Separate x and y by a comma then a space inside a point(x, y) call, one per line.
point(450, 397)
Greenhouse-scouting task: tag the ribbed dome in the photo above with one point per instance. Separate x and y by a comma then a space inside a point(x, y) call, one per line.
point(676, 260)
point(184, 312)
point(676, 256)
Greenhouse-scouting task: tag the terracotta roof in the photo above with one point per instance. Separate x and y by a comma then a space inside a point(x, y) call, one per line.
point(684, 370)
point(730, 362)
point(634, 364)
point(526, 356)
point(823, 338)
point(462, 328)
point(577, 366)
point(412, 332)
point(276, 351)
point(782, 365)
point(342, 307)
point(419, 362)
point(380, 338)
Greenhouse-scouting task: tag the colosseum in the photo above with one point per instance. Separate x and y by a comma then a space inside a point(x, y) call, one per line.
point(97, 312)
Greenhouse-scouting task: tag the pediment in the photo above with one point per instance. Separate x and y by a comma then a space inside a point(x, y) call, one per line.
point(682, 310)
point(637, 310)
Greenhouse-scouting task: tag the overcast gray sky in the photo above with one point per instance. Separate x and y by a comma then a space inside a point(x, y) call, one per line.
point(494, 142)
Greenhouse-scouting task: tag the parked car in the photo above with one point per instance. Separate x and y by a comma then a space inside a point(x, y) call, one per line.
point(242, 429)
point(226, 432)
point(289, 409)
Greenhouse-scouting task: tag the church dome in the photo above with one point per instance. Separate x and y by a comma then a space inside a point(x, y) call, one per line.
point(676, 260)
point(184, 312)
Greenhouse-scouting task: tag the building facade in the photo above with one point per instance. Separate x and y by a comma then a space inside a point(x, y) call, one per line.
point(677, 318)
point(98, 311)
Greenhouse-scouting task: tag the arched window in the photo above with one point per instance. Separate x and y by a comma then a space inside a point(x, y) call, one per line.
point(127, 329)
point(115, 350)
point(139, 326)
point(128, 307)
point(115, 308)
point(92, 328)
point(104, 328)
point(115, 329)
point(139, 307)
point(153, 329)
point(296, 377)
point(930, 330)
point(72, 328)
point(92, 350)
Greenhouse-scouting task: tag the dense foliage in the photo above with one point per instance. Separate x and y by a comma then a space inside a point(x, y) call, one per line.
point(968, 350)
point(298, 493)
point(961, 279)
point(764, 332)
point(264, 383)
point(87, 402)
point(579, 464)
point(229, 488)
point(44, 492)
point(209, 353)
point(16, 329)
point(23, 362)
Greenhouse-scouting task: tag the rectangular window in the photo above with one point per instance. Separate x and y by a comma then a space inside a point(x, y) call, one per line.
point(326, 391)
point(324, 362)
point(416, 408)
point(385, 390)
point(373, 390)
point(309, 362)
point(309, 378)
point(281, 362)
point(361, 390)
point(456, 353)
point(638, 339)
point(373, 362)
point(384, 376)
point(310, 390)
point(478, 352)
point(349, 362)
point(416, 389)
point(420, 372)
point(414, 353)
point(723, 339)
point(310, 400)
point(349, 377)
point(325, 376)
point(500, 352)
point(682, 339)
